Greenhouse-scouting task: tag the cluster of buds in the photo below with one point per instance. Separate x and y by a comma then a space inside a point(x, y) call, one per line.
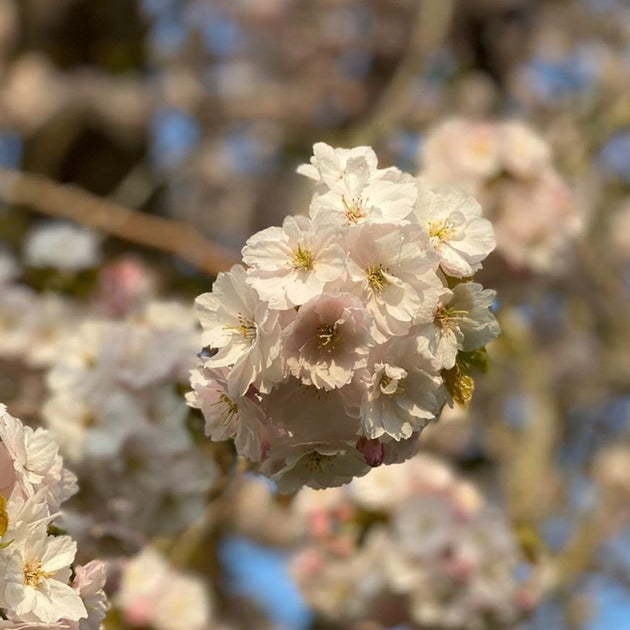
point(411, 545)
point(350, 329)
point(35, 564)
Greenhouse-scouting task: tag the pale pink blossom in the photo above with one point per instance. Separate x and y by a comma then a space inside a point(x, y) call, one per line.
point(241, 418)
point(458, 233)
point(292, 264)
point(328, 340)
point(392, 269)
point(402, 395)
point(243, 329)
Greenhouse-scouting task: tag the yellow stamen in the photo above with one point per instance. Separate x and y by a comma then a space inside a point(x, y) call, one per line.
point(385, 381)
point(302, 259)
point(246, 327)
point(315, 461)
point(4, 516)
point(446, 317)
point(33, 573)
point(231, 408)
point(441, 231)
point(354, 210)
point(376, 278)
point(327, 337)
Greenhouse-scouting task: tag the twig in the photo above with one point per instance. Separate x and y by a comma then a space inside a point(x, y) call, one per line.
point(433, 20)
point(167, 235)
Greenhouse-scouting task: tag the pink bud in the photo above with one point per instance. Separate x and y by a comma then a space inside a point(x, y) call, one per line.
point(372, 450)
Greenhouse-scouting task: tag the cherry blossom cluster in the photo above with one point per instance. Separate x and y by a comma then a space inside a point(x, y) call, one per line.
point(116, 412)
point(508, 167)
point(411, 545)
point(35, 565)
point(350, 328)
point(33, 324)
point(153, 594)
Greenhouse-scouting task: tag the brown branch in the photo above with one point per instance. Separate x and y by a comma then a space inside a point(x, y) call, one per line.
point(70, 202)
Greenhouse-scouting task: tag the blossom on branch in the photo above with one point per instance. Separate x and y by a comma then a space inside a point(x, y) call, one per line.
point(326, 356)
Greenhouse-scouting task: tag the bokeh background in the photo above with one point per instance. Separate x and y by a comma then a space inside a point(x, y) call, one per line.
point(199, 112)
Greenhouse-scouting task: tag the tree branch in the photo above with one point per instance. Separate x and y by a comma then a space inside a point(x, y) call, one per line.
point(70, 202)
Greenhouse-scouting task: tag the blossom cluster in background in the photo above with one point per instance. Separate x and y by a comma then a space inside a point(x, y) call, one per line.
point(341, 340)
point(114, 406)
point(509, 168)
point(153, 593)
point(414, 545)
point(36, 566)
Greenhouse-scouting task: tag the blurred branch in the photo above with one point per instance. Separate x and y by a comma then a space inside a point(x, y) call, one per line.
point(70, 202)
point(528, 453)
point(578, 555)
point(433, 20)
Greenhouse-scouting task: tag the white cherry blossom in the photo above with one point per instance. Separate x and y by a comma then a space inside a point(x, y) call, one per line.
point(240, 417)
point(292, 264)
point(242, 327)
point(463, 321)
point(329, 166)
point(316, 465)
point(393, 269)
point(402, 396)
point(36, 569)
point(358, 199)
point(458, 233)
point(328, 340)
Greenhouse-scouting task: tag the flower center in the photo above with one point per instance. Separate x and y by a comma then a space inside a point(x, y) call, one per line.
point(386, 381)
point(33, 573)
point(231, 408)
point(354, 210)
point(315, 461)
point(441, 230)
point(446, 318)
point(376, 278)
point(302, 259)
point(246, 327)
point(327, 337)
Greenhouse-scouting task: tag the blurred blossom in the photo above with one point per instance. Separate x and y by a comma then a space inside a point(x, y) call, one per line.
point(536, 215)
point(152, 593)
point(114, 406)
point(124, 286)
point(32, 93)
point(414, 544)
point(62, 246)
